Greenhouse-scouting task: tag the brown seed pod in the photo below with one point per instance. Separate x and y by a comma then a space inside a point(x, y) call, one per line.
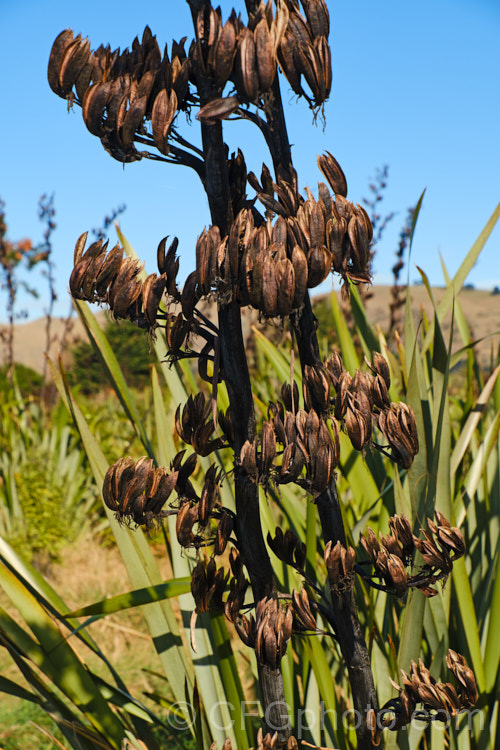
point(302, 611)
point(61, 44)
point(162, 117)
point(247, 81)
point(218, 109)
point(248, 457)
point(265, 56)
point(333, 173)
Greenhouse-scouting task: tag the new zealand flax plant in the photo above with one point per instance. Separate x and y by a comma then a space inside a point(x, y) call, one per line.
point(265, 252)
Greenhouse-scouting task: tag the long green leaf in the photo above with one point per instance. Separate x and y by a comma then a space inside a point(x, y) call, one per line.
point(174, 587)
point(472, 422)
point(462, 273)
point(469, 622)
point(492, 650)
point(112, 367)
point(61, 662)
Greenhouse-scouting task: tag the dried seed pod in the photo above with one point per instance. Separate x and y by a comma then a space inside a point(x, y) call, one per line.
point(224, 530)
point(302, 611)
point(401, 529)
point(190, 295)
point(381, 367)
point(168, 265)
point(236, 597)
point(340, 565)
point(290, 396)
point(245, 627)
point(162, 116)
point(247, 81)
point(399, 426)
point(318, 262)
point(265, 56)
point(248, 457)
point(225, 51)
point(268, 447)
point(136, 491)
point(187, 516)
point(288, 547)
point(62, 43)
point(218, 109)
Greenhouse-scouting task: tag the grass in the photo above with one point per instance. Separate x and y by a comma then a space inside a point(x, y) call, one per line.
point(88, 572)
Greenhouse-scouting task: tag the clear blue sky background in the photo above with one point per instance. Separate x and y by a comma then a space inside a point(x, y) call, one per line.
point(415, 86)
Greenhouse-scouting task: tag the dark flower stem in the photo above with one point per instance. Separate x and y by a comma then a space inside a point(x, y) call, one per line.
point(237, 378)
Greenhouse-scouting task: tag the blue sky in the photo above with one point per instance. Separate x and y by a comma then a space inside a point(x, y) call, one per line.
point(415, 86)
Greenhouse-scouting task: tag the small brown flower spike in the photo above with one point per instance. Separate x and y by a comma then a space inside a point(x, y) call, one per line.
point(440, 701)
point(390, 556)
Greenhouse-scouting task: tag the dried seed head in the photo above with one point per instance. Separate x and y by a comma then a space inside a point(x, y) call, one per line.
point(224, 530)
point(136, 491)
point(333, 173)
point(273, 631)
point(449, 537)
point(208, 584)
point(398, 425)
point(340, 566)
point(401, 528)
point(302, 611)
point(439, 700)
point(288, 548)
point(111, 279)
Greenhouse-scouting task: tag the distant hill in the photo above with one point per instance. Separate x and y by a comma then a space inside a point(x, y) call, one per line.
point(481, 309)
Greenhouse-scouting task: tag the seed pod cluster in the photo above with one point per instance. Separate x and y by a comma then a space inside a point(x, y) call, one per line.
point(208, 584)
point(307, 444)
point(364, 398)
point(118, 91)
point(109, 278)
point(271, 266)
point(288, 548)
point(392, 554)
point(213, 52)
point(333, 232)
point(255, 265)
point(256, 58)
point(304, 51)
point(196, 425)
point(137, 491)
point(200, 510)
point(398, 425)
point(440, 700)
point(273, 628)
point(340, 566)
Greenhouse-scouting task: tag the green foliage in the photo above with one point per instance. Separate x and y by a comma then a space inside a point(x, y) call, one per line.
point(47, 499)
point(131, 347)
point(23, 724)
point(28, 381)
point(46, 527)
